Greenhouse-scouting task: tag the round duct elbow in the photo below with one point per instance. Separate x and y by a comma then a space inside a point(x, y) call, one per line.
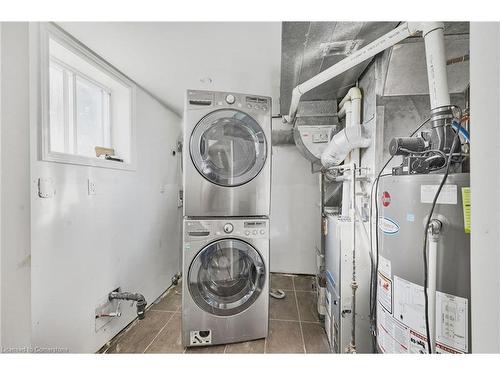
point(341, 145)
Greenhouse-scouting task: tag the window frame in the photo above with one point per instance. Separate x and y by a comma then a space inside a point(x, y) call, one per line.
point(50, 31)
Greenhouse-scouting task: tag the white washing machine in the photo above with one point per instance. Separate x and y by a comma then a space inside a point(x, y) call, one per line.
point(225, 287)
point(227, 154)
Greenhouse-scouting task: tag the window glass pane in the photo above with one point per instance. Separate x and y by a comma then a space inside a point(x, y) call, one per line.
point(56, 112)
point(89, 117)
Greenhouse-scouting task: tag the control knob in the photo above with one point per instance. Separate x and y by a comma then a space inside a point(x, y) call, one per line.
point(230, 99)
point(228, 228)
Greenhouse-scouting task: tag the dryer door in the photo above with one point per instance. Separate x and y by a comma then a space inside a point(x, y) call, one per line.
point(228, 147)
point(226, 277)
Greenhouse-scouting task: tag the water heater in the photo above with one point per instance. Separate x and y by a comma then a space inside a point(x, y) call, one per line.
point(404, 204)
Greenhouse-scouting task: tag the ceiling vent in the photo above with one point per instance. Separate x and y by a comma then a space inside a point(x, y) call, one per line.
point(344, 47)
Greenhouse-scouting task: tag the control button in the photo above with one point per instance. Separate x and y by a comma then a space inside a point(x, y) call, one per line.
point(247, 233)
point(262, 231)
point(228, 228)
point(264, 108)
point(255, 231)
point(249, 105)
point(256, 106)
point(230, 99)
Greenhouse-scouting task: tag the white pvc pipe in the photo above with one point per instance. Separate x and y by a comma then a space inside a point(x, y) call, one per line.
point(431, 290)
point(435, 56)
point(388, 40)
point(351, 137)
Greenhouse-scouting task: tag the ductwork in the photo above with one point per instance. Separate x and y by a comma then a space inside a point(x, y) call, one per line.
point(388, 40)
point(351, 137)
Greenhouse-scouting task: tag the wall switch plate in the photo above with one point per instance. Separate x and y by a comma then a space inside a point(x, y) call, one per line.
point(46, 188)
point(92, 188)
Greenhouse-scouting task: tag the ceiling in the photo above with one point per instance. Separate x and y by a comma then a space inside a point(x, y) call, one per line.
point(309, 48)
point(167, 58)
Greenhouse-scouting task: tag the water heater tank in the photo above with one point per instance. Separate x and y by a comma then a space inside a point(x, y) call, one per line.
point(404, 205)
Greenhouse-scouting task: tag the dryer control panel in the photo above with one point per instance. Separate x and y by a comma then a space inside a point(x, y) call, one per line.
point(251, 228)
point(200, 99)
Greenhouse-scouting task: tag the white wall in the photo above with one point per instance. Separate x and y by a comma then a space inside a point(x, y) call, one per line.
point(82, 246)
point(295, 214)
point(485, 185)
point(15, 187)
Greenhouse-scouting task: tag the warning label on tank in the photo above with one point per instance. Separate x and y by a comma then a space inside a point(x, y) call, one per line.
point(452, 321)
point(392, 337)
point(384, 292)
point(418, 343)
point(443, 349)
point(448, 194)
point(409, 304)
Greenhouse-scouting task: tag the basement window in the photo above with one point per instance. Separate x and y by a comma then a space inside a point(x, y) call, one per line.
point(87, 105)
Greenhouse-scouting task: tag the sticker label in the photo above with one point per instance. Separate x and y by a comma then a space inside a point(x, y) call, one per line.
point(448, 194)
point(418, 343)
point(386, 198)
point(466, 208)
point(410, 218)
point(392, 337)
point(443, 349)
point(452, 321)
point(384, 294)
point(409, 304)
point(388, 226)
point(384, 266)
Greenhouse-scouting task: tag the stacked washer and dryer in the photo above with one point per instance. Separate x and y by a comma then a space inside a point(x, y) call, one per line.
point(227, 193)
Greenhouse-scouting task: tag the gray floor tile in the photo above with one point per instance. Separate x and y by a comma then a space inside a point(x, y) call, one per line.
point(280, 281)
point(285, 308)
point(169, 340)
point(315, 339)
point(170, 302)
point(284, 337)
point(206, 349)
point(304, 283)
point(140, 335)
point(254, 347)
point(308, 309)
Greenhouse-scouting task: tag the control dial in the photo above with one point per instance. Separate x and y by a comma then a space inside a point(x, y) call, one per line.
point(230, 99)
point(228, 228)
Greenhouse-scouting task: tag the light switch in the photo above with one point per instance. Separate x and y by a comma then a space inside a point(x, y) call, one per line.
point(46, 188)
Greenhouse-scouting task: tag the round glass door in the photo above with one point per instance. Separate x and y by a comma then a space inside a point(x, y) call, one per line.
point(228, 147)
point(226, 277)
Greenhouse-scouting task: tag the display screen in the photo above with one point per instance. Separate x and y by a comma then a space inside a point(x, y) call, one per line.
point(255, 224)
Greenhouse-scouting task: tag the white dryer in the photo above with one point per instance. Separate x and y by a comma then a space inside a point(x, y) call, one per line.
point(227, 154)
point(225, 287)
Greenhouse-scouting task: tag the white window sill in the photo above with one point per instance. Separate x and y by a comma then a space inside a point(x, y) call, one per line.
point(87, 161)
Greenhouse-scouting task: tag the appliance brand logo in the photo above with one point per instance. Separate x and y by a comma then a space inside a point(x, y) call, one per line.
point(386, 198)
point(388, 226)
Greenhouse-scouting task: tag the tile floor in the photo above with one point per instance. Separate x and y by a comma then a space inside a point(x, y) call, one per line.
point(294, 326)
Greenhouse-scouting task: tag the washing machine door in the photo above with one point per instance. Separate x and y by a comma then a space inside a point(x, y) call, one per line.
point(228, 147)
point(226, 277)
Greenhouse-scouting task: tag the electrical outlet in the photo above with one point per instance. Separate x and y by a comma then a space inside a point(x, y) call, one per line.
point(92, 188)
